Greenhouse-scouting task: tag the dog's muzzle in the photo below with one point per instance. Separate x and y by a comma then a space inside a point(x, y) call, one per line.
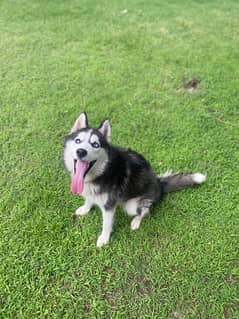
point(81, 153)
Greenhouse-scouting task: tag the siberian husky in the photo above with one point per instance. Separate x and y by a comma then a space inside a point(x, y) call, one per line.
point(107, 176)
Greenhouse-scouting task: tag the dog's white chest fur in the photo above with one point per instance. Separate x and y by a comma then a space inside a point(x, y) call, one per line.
point(89, 189)
point(91, 194)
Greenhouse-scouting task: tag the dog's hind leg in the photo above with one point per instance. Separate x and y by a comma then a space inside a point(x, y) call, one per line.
point(142, 211)
point(136, 221)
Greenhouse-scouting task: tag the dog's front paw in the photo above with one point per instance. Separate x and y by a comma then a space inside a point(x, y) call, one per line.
point(102, 240)
point(82, 210)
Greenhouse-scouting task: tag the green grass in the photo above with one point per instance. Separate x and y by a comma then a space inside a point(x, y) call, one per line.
point(59, 58)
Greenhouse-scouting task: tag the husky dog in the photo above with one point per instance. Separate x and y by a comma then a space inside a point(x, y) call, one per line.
point(107, 176)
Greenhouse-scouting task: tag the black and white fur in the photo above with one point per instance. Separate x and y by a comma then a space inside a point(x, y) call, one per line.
point(117, 176)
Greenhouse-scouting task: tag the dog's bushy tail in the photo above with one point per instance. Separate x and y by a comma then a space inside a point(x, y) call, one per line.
point(172, 182)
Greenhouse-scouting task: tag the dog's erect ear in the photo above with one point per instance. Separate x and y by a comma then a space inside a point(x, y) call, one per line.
point(81, 122)
point(105, 129)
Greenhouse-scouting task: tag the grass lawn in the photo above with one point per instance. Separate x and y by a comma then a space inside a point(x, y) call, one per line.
point(129, 61)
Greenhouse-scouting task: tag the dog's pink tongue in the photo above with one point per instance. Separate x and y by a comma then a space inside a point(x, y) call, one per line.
point(77, 180)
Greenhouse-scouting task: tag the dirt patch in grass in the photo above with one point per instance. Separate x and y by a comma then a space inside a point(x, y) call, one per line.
point(135, 282)
point(87, 308)
point(232, 279)
point(191, 85)
point(176, 315)
point(142, 284)
point(110, 294)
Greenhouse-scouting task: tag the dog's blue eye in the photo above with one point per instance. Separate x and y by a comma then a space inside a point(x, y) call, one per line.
point(95, 145)
point(77, 141)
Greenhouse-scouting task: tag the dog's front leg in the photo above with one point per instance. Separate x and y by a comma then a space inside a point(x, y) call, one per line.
point(108, 220)
point(84, 209)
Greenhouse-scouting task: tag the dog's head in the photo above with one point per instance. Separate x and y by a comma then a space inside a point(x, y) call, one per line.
point(85, 150)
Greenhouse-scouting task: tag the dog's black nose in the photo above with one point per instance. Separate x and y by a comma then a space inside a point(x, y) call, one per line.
point(81, 153)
